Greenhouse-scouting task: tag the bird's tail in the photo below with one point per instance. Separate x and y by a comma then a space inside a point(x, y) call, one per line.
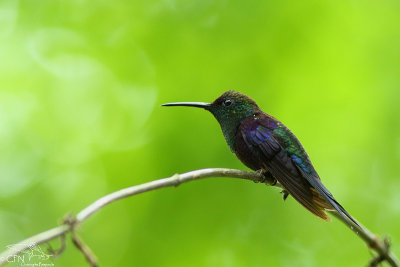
point(325, 196)
point(324, 199)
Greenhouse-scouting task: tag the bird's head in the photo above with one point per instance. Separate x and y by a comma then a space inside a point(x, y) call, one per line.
point(229, 109)
point(233, 106)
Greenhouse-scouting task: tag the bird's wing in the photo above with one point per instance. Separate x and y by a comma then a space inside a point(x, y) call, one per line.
point(295, 174)
point(262, 141)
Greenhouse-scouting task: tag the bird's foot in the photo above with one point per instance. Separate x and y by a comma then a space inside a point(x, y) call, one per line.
point(267, 177)
point(285, 194)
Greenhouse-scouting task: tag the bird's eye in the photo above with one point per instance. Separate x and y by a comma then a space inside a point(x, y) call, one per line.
point(227, 103)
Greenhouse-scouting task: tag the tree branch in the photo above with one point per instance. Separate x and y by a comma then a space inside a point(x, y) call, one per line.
point(373, 241)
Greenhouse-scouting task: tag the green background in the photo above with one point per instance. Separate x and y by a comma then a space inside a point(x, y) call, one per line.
point(81, 83)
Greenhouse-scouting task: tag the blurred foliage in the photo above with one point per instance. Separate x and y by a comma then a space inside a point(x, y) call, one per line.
point(80, 87)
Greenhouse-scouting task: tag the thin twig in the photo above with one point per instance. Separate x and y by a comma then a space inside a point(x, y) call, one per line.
point(58, 252)
point(381, 246)
point(373, 241)
point(86, 251)
point(71, 220)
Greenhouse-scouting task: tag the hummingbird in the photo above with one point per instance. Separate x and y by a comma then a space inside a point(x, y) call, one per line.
point(264, 144)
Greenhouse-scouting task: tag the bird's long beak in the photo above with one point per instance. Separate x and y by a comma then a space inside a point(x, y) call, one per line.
point(189, 104)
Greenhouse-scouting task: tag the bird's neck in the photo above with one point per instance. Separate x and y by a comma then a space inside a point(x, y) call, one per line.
point(230, 122)
point(229, 130)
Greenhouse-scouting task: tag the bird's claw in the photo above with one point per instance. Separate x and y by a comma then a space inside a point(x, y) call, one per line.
point(285, 194)
point(266, 176)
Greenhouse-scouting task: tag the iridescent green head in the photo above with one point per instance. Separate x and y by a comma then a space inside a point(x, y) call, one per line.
point(232, 107)
point(229, 109)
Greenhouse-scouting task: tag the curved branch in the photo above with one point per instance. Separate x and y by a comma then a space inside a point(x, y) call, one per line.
point(381, 246)
point(373, 241)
